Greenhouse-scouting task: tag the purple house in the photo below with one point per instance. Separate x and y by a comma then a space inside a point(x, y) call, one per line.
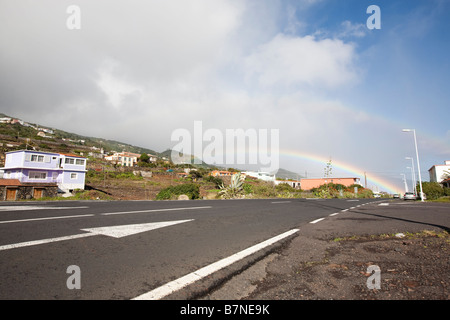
point(67, 170)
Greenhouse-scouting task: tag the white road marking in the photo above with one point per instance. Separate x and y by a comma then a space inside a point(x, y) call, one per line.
point(156, 210)
point(190, 278)
point(280, 202)
point(343, 210)
point(130, 229)
point(334, 214)
point(19, 208)
point(112, 231)
point(384, 204)
point(48, 218)
point(37, 242)
point(317, 220)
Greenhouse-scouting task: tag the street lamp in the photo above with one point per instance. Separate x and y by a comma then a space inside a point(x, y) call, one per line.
point(413, 174)
point(404, 180)
point(412, 180)
point(418, 164)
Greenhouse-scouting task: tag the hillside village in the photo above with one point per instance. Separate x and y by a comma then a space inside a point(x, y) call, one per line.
point(62, 165)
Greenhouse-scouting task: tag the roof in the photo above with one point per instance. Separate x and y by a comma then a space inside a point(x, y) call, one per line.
point(10, 182)
point(33, 151)
point(49, 153)
point(71, 155)
point(16, 183)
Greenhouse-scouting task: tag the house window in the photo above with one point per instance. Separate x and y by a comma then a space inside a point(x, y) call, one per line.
point(37, 158)
point(73, 176)
point(69, 161)
point(79, 162)
point(36, 175)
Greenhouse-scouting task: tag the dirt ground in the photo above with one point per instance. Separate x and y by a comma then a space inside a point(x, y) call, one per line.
point(141, 189)
point(412, 268)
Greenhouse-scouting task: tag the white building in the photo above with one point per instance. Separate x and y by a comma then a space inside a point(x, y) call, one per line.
point(293, 183)
point(125, 159)
point(68, 171)
point(266, 176)
point(437, 172)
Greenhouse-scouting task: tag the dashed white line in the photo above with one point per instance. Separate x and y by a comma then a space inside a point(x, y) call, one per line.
point(190, 278)
point(317, 220)
point(48, 218)
point(334, 214)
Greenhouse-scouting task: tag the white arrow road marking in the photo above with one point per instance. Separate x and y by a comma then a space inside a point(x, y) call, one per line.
point(126, 230)
point(112, 231)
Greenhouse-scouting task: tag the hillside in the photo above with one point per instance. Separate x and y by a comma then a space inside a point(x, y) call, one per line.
point(18, 134)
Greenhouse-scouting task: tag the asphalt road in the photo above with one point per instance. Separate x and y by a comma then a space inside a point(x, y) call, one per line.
point(116, 263)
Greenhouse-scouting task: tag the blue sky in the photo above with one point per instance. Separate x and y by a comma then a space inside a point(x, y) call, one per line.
point(138, 70)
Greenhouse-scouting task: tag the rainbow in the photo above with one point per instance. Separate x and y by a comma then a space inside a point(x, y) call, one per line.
point(358, 172)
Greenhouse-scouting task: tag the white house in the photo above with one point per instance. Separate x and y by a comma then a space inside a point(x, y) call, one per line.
point(293, 183)
point(125, 159)
point(266, 176)
point(437, 172)
point(67, 170)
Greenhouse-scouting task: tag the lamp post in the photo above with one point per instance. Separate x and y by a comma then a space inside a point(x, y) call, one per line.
point(418, 164)
point(404, 181)
point(412, 180)
point(413, 174)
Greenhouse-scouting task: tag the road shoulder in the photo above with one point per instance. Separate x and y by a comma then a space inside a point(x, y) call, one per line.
point(335, 258)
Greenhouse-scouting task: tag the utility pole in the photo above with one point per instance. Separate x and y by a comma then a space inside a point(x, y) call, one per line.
point(365, 180)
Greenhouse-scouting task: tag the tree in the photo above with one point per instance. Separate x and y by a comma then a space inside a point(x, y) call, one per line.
point(144, 158)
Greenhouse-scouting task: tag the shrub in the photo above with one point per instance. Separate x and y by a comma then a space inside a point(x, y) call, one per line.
point(265, 190)
point(235, 189)
point(216, 180)
point(432, 190)
point(248, 188)
point(192, 190)
point(284, 187)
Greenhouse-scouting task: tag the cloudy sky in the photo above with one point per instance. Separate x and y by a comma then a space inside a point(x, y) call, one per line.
point(136, 71)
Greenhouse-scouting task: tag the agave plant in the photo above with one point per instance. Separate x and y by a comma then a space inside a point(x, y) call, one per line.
point(235, 189)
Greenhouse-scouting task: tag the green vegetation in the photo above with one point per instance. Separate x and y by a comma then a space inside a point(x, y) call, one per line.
point(407, 235)
point(235, 189)
point(333, 190)
point(172, 192)
point(434, 191)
